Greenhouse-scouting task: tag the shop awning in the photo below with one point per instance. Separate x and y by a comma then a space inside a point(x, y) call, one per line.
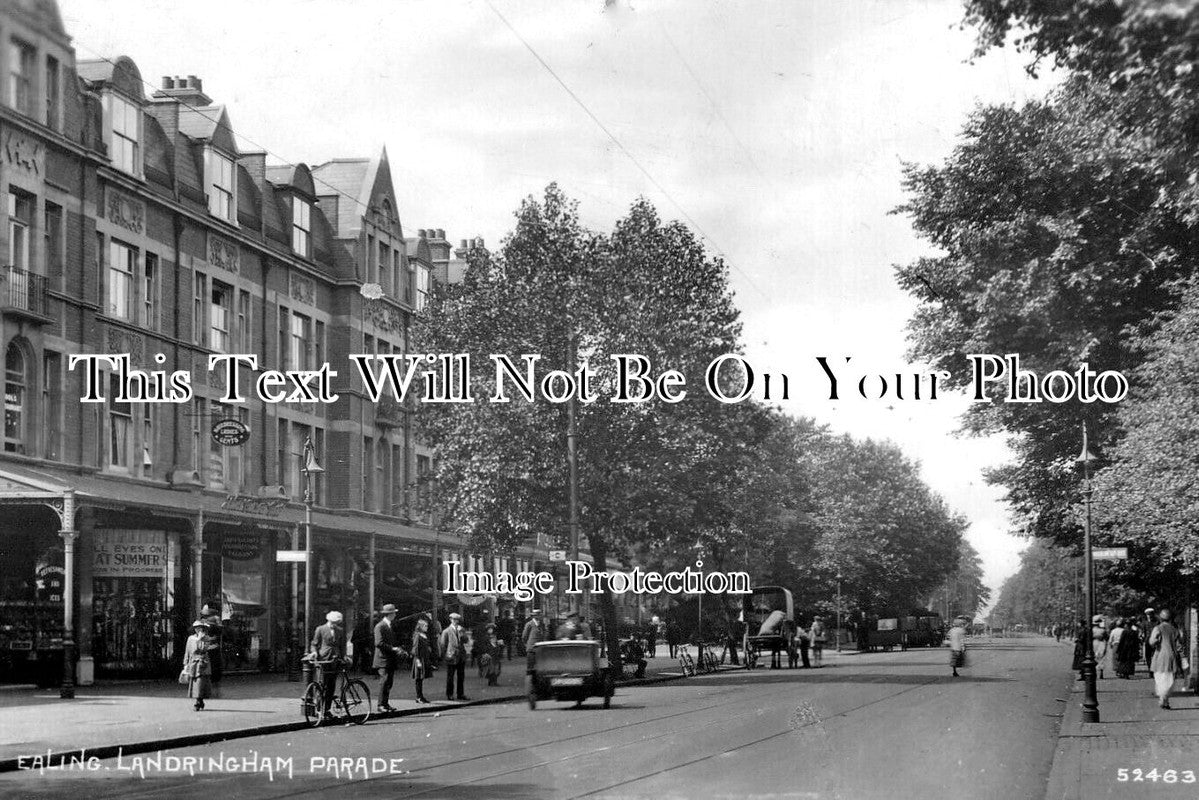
point(23, 484)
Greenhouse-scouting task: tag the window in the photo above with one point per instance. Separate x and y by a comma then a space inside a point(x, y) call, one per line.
point(218, 317)
point(197, 434)
point(226, 465)
point(149, 314)
point(221, 186)
point(16, 384)
point(53, 240)
point(295, 459)
point(318, 345)
point(148, 443)
point(53, 93)
point(370, 260)
point(380, 480)
point(20, 215)
point(52, 404)
point(283, 339)
point(422, 288)
point(397, 274)
point(122, 265)
point(301, 225)
point(283, 471)
point(368, 475)
point(20, 77)
point(384, 264)
point(199, 301)
point(244, 334)
point(409, 280)
point(395, 484)
point(124, 148)
point(424, 466)
point(120, 424)
point(301, 334)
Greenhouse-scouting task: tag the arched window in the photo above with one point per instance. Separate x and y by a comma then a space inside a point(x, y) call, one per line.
point(16, 394)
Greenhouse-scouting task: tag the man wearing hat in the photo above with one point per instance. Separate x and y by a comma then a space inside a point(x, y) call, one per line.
point(453, 654)
point(387, 652)
point(329, 645)
point(532, 634)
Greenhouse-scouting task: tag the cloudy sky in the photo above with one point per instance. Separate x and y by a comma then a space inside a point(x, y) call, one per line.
point(776, 129)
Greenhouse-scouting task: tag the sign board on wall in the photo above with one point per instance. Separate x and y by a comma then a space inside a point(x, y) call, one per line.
point(129, 554)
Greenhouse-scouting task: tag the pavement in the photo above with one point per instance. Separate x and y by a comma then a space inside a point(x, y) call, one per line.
point(143, 716)
point(1158, 749)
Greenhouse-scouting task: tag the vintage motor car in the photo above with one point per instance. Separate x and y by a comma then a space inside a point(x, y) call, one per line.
point(569, 670)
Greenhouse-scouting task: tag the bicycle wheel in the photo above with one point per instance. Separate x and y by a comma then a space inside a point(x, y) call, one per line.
point(313, 704)
point(356, 701)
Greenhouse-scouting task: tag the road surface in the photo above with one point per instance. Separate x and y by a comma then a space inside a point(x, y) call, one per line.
point(886, 725)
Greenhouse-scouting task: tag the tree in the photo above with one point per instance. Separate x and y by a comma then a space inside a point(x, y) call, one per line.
point(963, 592)
point(1147, 496)
point(1061, 235)
point(654, 477)
point(889, 536)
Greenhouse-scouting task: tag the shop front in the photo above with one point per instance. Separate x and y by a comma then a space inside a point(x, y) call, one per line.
point(404, 578)
point(31, 596)
point(242, 583)
point(135, 573)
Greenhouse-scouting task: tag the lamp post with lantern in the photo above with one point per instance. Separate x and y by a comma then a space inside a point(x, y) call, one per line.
point(311, 467)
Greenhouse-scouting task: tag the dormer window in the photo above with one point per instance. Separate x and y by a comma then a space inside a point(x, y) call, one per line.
point(222, 187)
point(124, 146)
point(301, 225)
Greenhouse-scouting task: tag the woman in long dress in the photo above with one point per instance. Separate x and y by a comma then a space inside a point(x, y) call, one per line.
point(197, 663)
point(1167, 657)
point(1124, 646)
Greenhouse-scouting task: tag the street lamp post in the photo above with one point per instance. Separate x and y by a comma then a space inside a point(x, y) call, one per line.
point(838, 634)
point(1090, 703)
point(310, 468)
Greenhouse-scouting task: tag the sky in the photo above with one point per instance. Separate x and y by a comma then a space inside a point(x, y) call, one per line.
point(776, 130)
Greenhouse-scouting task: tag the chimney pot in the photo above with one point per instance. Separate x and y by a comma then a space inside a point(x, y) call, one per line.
point(167, 82)
point(441, 233)
point(463, 244)
point(421, 233)
point(195, 83)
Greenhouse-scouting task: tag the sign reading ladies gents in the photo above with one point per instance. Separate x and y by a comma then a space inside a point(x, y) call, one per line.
point(129, 554)
point(230, 432)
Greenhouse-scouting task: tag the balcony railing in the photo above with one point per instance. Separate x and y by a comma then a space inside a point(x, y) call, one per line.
point(22, 290)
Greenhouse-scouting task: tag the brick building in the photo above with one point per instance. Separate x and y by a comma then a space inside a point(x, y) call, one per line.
point(134, 224)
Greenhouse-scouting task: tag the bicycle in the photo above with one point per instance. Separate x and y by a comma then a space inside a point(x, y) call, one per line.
point(708, 658)
point(351, 695)
point(686, 663)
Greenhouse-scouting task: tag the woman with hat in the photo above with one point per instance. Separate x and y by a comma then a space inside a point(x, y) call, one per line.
point(197, 666)
point(422, 656)
point(1168, 661)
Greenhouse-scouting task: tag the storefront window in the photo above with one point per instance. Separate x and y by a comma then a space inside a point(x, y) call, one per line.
point(132, 628)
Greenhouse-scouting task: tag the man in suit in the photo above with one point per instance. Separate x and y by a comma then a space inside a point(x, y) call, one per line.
point(387, 651)
point(454, 655)
point(532, 634)
point(329, 645)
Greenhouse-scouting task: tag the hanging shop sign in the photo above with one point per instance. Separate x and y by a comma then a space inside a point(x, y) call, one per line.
point(129, 554)
point(230, 432)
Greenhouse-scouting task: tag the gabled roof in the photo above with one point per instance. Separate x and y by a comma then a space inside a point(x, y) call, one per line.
point(208, 124)
point(363, 184)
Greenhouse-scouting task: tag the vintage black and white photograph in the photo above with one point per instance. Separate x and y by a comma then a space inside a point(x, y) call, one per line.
point(599, 398)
